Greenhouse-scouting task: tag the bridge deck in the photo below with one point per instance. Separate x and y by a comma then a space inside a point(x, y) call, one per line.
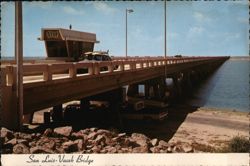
point(44, 87)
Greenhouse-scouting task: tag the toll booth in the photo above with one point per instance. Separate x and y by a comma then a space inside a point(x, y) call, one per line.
point(65, 44)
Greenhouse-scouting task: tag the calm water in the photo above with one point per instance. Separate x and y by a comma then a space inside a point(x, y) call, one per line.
point(227, 88)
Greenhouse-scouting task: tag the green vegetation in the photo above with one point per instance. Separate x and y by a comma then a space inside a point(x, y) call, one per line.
point(239, 144)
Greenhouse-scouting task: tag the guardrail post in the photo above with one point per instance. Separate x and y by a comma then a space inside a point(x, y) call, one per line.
point(96, 68)
point(110, 67)
point(91, 69)
point(122, 66)
point(47, 75)
point(72, 71)
point(10, 75)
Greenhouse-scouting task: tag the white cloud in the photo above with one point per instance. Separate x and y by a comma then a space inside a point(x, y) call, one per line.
point(231, 36)
point(43, 5)
point(103, 7)
point(196, 30)
point(73, 11)
point(200, 17)
point(243, 20)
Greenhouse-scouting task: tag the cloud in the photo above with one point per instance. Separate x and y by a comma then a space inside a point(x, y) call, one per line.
point(243, 20)
point(71, 10)
point(196, 30)
point(200, 17)
point(40, 4)
point(231, 36)
point(103, 7)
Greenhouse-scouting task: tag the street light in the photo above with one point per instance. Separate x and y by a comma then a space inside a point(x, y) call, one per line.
point(127, 11)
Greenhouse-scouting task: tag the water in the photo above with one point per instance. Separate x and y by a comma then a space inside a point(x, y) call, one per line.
point(227, 88)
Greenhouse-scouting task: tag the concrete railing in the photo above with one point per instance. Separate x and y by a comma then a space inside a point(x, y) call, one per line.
point(69, 69)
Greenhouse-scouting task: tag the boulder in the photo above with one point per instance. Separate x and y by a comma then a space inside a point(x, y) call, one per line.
point(187, 148)
point(99, 139)
point(155, 149)
point(121, 134)
point(91, 135)
point(96, 149)
point(12, 142)
point(21, 149)
point(40, 149)
point(137, 136)
point(48, 132)
point(6, 134)
point(70, 146)
point(154, 142)
point(177, 149)
point(93, 129)
point(163, 144)
point(80, 144)
point(140, 149)
point(63, 131)
point(104, 132)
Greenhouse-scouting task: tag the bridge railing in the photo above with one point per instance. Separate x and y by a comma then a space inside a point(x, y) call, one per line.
point(68, 70)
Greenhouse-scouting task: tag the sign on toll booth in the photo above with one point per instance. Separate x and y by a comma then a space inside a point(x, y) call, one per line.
point(52, 35)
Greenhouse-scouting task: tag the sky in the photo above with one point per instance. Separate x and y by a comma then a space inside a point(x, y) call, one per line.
point(194, 28)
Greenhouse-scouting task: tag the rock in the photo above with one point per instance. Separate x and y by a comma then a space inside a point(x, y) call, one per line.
point(111, 149)
point(48, 132)
point(177, 149)
point(154, 142)
point(169, 150)
point(96, 149)
point(140, 150)
point(47, 143)
point(80, 135)
point(93, 129)
point(63, 131)
point(38, 135)
point(6, 134)
point(163, 144)
point(80, 144)
point(70, 146)
point(155, 149)
point(99, 139)
point(104, 132)
point(121, 134)
point(21, 149)
point(187, 148)
point(92, 135)
point(25, 136)
point(137, 136)
point(23, 141)
point(33, 143)
point(39, 149)
point(12, 142)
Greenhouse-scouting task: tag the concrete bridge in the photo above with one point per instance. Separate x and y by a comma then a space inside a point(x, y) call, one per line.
point(50, 85)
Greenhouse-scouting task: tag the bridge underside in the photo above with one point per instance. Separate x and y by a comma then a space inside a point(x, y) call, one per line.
point(40, 95)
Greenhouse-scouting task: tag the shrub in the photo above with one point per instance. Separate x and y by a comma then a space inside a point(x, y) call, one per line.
point(239, 144)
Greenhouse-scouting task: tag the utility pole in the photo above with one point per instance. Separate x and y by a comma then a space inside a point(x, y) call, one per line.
point(19, 60)
point(126, 46)
point(165, 30)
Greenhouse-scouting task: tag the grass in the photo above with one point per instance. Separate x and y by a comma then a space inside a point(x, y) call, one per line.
point(237, 144)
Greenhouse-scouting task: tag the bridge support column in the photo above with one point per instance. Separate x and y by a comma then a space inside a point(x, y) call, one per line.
point(84, 104)
point(57, 114)
point(115, 103)
point(133, 89)
point(177, 87)
point(186, 83)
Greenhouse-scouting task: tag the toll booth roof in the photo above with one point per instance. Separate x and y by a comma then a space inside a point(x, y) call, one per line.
point(67, 34)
